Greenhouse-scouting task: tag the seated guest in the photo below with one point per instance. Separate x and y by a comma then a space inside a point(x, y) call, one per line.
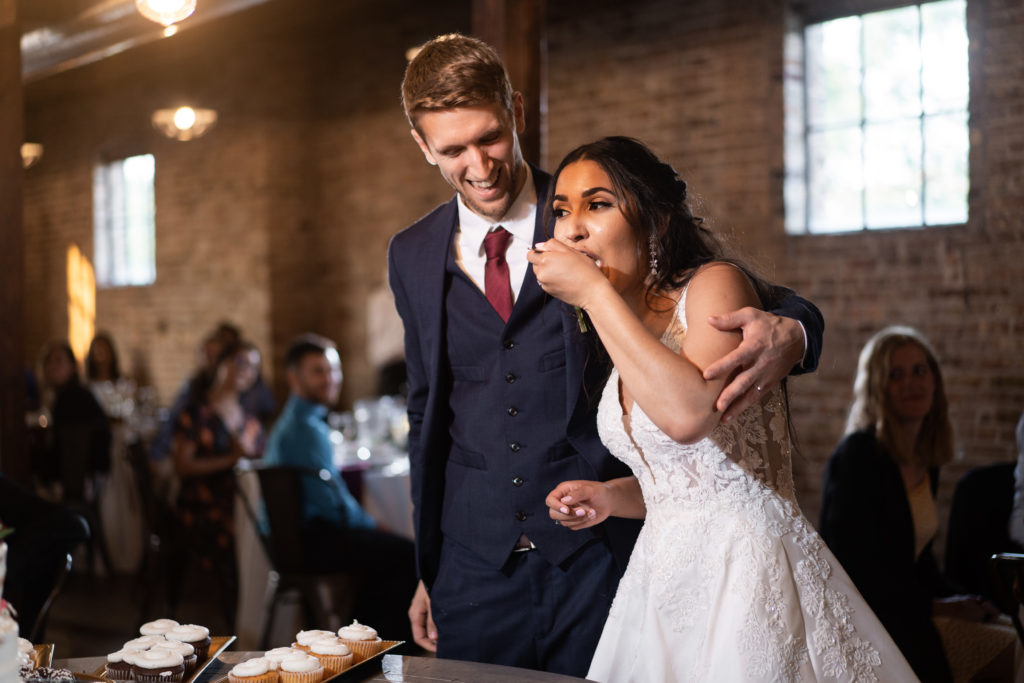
point(878, 512)
point(44, 533)
point(213, 432)
point(209, 351)
point(345, 537)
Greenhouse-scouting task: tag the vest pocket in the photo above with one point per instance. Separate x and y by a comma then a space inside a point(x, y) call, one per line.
point(466, 458)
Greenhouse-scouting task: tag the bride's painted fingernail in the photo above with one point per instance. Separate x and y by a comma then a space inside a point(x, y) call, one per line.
point(564, 510)
point(580, 512)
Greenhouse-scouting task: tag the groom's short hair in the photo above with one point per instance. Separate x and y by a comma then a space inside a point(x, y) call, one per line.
point(452, 71)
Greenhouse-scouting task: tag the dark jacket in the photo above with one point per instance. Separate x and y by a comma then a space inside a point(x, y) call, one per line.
point(866, 521)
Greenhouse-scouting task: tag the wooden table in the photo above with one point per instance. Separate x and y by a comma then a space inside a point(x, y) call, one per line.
point(391, 669)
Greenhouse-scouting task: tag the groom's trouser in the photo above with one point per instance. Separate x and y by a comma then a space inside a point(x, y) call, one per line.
point(529, 613)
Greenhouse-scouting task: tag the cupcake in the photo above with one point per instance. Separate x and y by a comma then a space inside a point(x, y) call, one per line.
point(275, 656)
point(158, 627)
point(332, 653)
point(255, 670)
point(188, 653)
point(119, 664)
point(304, 638)
point(46, 674)
point(361, 639)
point(158, 665)
point(196, 636)
point(300, 668)
point(144, 642)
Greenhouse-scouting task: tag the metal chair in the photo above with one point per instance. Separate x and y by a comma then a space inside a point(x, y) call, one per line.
point(1007, 572)
point(281, 493)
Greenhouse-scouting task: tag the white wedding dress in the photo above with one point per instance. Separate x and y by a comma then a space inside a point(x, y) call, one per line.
point(728, 581)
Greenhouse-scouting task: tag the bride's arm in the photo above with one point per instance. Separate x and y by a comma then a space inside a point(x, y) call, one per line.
point(669, 387)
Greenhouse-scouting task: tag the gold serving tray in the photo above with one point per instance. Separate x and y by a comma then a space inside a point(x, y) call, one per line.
point(217, 645)
point(361, 666)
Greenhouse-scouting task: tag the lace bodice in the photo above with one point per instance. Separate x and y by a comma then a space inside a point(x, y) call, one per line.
point(725, 554)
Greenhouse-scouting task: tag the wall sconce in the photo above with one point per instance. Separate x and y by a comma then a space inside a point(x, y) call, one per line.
point(184, 123)
point(166, 12)
point(31, 153)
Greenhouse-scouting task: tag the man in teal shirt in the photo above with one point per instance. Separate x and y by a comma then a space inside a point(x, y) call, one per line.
point(338, 534)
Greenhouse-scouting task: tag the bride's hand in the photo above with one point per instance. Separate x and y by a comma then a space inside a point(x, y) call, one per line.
point(579, 504)
point(564, 272)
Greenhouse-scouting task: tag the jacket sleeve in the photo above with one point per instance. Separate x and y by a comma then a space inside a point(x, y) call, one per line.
point(792, 305)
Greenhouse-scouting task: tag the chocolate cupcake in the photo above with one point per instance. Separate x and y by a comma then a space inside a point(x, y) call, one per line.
point(158, 665)
point(144, 642)
point(188, 653)
point(46, 674)
point(119, 664)
point(196, 636)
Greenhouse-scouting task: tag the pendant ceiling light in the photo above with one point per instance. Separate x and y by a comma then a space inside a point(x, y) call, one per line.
point(184, 123)
point(166, 12)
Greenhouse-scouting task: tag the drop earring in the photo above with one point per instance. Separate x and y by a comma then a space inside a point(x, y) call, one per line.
point(652, 248)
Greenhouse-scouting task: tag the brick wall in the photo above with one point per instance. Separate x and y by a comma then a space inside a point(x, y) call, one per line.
point(280, 217)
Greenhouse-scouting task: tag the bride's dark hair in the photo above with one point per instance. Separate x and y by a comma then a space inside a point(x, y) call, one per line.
point(654, 201)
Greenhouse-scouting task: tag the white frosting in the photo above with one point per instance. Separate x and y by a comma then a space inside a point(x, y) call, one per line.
point(307, 637)
point(251, 667)
point(157, 658)
point(185, 649)
point(357, 631)
point(188, 633)
point(25, 646)
point(329, 646)
point(300, 663)
point(123, 655)
point(158, 627)
point(144, 642)
point(275, 656)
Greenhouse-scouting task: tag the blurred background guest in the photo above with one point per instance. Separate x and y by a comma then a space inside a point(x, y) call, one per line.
point(101, 363)
point(878, 512)
point(336, 532)
point(1016, 525)
point(212, 433)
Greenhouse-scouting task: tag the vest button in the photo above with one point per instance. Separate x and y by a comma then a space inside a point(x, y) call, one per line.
point(521, 516)
point(510, 378)
point(517, 481)
point(513, 411)
point(514, 446)
point(509, 344)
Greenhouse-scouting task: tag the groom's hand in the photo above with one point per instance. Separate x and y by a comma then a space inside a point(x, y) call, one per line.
point(423, 630)
point(771, 346)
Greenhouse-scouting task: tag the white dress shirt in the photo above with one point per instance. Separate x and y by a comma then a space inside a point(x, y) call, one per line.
point(520, 220)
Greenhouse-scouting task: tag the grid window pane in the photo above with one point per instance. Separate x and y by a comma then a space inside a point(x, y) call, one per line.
point(944, 52)
point(945, 169)
point(892, 64)
point(836, 187)
point(892, 169)
point(125, 222)
point(833, 73)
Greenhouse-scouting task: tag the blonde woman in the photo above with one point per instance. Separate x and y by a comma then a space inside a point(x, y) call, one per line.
point(878, 512)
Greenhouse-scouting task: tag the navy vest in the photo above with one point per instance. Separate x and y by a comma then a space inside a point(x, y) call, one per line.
point(508, 402)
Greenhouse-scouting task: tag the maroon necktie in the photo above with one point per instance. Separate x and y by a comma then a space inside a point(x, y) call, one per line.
point(496, 283)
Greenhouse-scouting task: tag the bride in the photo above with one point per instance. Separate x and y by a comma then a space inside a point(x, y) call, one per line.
point(728, 581)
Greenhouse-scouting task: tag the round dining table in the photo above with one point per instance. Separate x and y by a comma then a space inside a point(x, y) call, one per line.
point(391, 667)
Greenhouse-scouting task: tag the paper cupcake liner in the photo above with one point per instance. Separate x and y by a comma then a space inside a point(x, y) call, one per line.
point(269, 677)
point(157, 675)
point(301, 676)
point(335, 664)
point(363, 649)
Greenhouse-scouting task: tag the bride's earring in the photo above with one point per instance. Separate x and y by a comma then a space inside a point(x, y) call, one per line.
point(652, 248)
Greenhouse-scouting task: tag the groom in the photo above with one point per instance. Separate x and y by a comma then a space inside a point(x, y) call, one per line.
point(503, 388)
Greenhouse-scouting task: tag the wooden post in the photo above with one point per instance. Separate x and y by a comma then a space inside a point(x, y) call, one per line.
point(13, 455)
point(515, 28)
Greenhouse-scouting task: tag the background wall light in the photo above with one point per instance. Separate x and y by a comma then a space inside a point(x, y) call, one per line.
point(166, 12)
point(184, 123)
point(31, 153)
